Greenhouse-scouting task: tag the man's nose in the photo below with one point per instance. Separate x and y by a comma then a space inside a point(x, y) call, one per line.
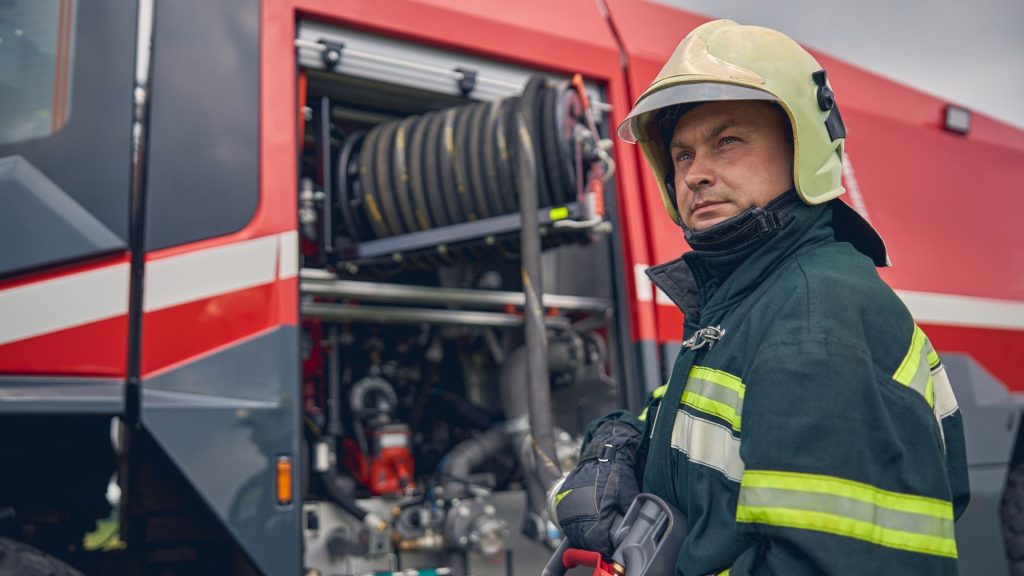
point(700, 175)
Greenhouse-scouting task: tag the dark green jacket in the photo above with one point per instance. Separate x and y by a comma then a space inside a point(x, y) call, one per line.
point(819, 433)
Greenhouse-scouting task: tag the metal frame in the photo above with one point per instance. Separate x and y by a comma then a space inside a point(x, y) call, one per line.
point(487, 228)
point(320, 283)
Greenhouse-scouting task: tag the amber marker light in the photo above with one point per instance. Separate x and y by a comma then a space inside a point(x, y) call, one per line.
point(284, 480)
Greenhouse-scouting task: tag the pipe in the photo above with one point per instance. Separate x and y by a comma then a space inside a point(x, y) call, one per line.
point(395, 315)
point(341, 488)
point(333, 384)
point(512, 382)
point(469, 454)
point(538, 386)
point(326, 284)
point(458, 563)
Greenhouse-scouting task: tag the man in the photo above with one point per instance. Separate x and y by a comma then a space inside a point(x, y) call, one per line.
point(808, 426)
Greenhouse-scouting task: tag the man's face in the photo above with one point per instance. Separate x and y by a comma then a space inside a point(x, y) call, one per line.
point(730, 156)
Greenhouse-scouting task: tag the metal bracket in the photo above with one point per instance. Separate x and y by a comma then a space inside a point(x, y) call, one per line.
point(332, 53)
point(467, 81)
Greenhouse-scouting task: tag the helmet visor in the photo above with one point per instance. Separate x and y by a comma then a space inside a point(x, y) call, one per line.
point(631, 130)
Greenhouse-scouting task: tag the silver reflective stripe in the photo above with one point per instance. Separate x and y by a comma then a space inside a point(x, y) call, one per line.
point(849, 508)
point(922, 382)
point(945, 401)
point(708, 444)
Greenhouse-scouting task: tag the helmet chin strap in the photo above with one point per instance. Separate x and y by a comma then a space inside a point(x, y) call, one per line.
point(752, 223)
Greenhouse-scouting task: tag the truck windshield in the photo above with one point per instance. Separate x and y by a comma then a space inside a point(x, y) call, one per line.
point(36, 62)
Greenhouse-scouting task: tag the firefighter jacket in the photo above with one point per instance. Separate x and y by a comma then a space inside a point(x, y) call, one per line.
point(808, 426)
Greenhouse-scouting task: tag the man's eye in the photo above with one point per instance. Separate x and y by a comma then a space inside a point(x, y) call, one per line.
point(728, 140)
point(683, 157)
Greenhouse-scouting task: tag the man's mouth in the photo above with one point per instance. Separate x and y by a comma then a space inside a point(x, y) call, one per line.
point(707, 204)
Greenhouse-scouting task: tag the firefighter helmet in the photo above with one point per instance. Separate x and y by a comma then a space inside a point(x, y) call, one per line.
point(723, 60)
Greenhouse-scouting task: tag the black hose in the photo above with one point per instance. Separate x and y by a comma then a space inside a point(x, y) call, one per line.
point(343, 490)
point(538, 386)
point(466, 456)
point(333, 384)
point(512, 384)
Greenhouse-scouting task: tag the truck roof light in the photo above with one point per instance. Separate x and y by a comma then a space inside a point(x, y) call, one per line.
point(957, 119)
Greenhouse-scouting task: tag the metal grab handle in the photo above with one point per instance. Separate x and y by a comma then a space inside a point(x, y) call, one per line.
point(554, 567)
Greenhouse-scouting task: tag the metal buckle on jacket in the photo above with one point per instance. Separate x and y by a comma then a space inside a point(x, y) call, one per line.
point(707, 335)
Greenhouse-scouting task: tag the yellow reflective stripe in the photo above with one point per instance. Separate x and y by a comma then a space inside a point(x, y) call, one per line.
point(716, 393)
point(832, 524)
point(905, 373)
point(932, 355)
point(657, 393)
point(718, 377)
point(848, 488)
point(724, 572)
point(847, 508)
point(915, 370)
point(713, 407)
point(561, 495)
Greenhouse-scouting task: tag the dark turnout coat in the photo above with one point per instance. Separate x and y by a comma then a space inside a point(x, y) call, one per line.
point(808, 426)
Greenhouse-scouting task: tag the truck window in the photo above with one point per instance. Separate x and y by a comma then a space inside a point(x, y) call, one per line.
point(36, 65)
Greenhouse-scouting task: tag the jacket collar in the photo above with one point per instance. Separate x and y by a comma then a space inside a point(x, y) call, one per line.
point(703, 281)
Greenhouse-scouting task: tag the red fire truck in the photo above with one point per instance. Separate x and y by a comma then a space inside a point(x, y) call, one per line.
point(327, 287)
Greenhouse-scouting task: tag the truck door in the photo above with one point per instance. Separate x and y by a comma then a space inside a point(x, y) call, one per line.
point(65, 161)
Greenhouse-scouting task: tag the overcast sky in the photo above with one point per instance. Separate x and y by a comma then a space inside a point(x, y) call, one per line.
point(969, 52)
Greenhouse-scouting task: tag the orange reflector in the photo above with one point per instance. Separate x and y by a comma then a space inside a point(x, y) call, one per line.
point(284, 480)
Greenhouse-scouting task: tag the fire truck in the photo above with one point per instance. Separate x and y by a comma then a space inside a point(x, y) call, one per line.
point(334, 287)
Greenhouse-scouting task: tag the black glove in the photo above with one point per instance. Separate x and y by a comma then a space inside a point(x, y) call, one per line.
point(593, 498)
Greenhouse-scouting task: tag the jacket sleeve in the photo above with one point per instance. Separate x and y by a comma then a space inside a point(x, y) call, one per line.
point(847, 470)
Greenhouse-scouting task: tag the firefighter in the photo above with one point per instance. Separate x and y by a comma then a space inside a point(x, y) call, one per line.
point(808, 426)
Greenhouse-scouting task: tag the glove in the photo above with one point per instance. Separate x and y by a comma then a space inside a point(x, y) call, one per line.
point(591, 501)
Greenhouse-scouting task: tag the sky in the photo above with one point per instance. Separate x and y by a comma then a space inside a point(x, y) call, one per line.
point(970, 53)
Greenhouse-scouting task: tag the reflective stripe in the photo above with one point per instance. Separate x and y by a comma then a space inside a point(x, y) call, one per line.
point(922, 371)
point(657, 393)
point(931, 355)
point(847, 508)
point(945, 401)
point(561, 495)
point(723, 379)
point(915, 370)
point(708, 444)
point(717, 393)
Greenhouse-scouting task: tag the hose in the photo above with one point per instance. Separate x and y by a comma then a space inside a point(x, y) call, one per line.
point(538, 385)
point(466, 456)
point(343, 490)
point(512, 382)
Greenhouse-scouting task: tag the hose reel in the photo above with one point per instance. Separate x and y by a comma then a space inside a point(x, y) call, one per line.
point(429, 175)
